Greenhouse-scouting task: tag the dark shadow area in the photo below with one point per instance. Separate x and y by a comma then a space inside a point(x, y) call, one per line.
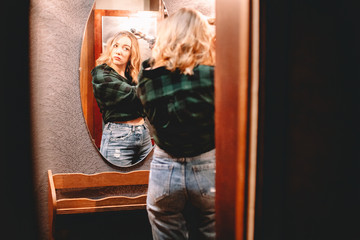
point(309, 128)
point(130, 225)
point(18, 211)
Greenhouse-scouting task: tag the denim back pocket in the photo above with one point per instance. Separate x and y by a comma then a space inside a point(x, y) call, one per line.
point(119, 134)
point(205, 178)
point(159, 181)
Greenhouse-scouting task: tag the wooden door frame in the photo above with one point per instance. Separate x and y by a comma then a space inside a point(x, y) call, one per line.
point(236, 116)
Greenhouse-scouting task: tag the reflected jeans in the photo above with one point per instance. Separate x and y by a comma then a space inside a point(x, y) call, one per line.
point(182, 189)
point(124, 144)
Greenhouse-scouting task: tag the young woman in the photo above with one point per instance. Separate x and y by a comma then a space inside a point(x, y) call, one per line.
point(176, 88)
point(125, 139)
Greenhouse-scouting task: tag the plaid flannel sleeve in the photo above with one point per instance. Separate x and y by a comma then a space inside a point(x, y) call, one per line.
point(109, 90)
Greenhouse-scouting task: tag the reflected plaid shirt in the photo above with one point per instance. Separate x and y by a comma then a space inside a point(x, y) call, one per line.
point(180, 108)
point(115, 95)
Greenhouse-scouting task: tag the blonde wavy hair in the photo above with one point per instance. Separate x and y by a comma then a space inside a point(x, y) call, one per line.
point(133, 65)
point(184, 40)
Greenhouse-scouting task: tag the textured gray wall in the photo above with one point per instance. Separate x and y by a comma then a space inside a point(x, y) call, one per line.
point(206, 7)
point(59, 134)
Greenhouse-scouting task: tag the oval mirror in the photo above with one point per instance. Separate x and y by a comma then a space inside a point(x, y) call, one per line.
point(107, 18)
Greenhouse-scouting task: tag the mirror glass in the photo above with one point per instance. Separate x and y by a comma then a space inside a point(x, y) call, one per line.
point(107, 17)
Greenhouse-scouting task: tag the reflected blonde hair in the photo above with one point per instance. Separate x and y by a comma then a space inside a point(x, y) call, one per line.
point(184, 40)
point(133, 65)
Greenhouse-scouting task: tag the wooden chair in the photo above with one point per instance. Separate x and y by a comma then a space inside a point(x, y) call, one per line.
point(74, 183)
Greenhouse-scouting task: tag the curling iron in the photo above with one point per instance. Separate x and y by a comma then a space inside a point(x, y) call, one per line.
point(149, 39)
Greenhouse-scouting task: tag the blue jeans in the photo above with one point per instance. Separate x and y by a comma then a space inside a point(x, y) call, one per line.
point(125, 145)
point(177, 184)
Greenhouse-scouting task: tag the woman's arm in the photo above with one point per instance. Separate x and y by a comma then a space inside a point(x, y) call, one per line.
point(109, 90)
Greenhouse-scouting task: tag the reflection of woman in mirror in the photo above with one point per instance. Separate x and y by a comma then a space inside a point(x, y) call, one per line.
point(125, 139)
point(176, 88)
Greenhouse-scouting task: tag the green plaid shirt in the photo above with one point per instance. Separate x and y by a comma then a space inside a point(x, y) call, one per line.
point(180, 108)
point(115, 95)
